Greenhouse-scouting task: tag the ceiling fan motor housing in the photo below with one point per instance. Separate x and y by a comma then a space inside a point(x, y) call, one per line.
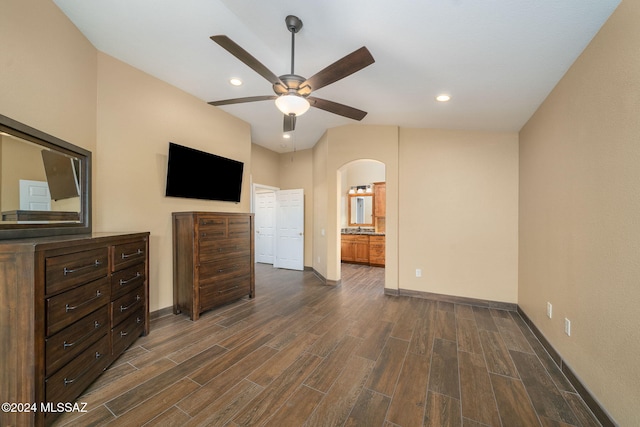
point(294, 24)
point(293, 82)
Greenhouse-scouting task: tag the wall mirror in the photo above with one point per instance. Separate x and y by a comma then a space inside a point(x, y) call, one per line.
point(361, 210)
point(45, 183)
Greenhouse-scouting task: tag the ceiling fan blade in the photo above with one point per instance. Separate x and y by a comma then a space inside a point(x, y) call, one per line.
point(242, 100)
point(340, 69)
point(244, 56)
point(335, 108)
point(289, 123)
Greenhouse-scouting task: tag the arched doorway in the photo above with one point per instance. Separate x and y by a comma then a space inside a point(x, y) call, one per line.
point(361, 186)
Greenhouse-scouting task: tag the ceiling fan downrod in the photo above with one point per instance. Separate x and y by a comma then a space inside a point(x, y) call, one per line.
point(294, 24)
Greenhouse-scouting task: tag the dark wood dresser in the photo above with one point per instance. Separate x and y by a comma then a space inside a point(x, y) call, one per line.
point(69, 306)
point(213, 261)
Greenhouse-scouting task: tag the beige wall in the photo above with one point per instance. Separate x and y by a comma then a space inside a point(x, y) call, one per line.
point(579, 210)
point(320, 211)
point(459, 213)
point(264, 166)
point(48, 72)
point(363, 172)
point(138, 116)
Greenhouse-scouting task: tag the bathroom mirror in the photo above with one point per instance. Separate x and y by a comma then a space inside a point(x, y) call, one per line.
point(45, 183)
point(361, 210)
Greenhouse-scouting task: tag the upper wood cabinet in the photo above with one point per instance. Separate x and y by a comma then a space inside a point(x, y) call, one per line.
point(380, 198)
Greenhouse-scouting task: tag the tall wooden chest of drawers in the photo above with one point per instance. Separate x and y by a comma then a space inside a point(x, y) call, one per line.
point(69, 306)
point(212, 260)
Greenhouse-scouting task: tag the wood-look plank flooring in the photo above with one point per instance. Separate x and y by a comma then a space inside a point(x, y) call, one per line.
point(305, 354)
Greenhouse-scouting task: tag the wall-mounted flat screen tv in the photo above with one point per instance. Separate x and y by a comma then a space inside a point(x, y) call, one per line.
point(195, 174)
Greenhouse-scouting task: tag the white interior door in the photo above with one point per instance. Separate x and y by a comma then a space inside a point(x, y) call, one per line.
point(265, 218)
point(289, 248)
point(34, 195)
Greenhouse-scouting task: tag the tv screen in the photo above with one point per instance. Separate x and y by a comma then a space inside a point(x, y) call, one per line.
point(195, 174)
point(63, 175)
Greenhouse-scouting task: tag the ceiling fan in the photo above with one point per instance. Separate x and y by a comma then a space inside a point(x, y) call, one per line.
point(292, 92)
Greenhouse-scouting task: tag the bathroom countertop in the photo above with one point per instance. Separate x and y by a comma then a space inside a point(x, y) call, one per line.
point(362, 232)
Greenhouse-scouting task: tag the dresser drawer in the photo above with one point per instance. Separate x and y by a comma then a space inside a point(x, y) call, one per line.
point(66, 308)
point(124, 280)
point(211, 273)
point(67, 384)
point(123, 306)
point(212, 228)
point(214, 250)
point(127, 254)
point(239, 227)
point(355, 238)
point(65, 271)
point(123, 335)
point(69, 342)
point(224, 291)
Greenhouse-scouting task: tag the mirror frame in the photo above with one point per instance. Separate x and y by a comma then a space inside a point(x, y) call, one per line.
point(351, 196)
point(28, 230)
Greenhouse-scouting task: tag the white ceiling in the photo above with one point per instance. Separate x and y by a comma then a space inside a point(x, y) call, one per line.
point(498, 59)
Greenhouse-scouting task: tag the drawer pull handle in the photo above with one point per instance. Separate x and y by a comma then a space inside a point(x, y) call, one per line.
point(232, 268)
point(228, 290)
point(229, 249)
point(66, 345)
point(69, 308)
point(125, 256)
point(71, 381)
point(138, 320)
point(125, 308)
point(210, 222)
point(66, 270)
point(218, 234)
point(124, 282)
point(123, 333)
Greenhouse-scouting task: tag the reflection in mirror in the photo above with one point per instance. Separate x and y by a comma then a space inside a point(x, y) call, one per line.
point(360, 210)
point(37, 183)
point(43, 183)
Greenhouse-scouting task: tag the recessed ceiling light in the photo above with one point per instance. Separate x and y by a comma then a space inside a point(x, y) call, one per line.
point(443, 98)
point(286, 136)
point(235, 81)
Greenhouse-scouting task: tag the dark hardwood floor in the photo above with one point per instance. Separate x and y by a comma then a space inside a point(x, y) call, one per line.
point(302, 353)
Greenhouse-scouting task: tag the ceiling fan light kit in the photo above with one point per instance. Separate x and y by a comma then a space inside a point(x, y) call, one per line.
point(292, 104)
point(292, 91)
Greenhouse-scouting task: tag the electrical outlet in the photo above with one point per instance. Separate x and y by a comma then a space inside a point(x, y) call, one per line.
point(549, 310)
point(567, 326)
point(418, 272)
